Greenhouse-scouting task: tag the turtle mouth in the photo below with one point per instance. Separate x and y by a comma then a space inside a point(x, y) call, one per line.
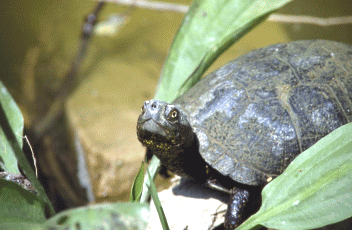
point(153, 138)
point(151, 129)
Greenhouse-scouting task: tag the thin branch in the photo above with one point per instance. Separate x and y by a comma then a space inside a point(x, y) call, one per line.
point(152, 5)
point(70, 81)
point(310, 19)
point(33, 156)
point(162, 6)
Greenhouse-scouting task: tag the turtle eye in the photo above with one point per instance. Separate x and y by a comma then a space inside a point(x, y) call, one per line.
point(173, 115)
point(154, 105)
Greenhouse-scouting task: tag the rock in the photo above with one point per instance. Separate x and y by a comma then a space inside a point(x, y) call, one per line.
point(188, 205)
point(102, 116)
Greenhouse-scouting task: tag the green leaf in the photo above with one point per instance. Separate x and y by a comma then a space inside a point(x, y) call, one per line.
point(10, 119)
point(19, 205)
point(157, 203)
point(120, 216)
point(11, 154)
point(315, 190)
point(208, 29)
point(137, 186)
point(21, 226)
point(153, 170)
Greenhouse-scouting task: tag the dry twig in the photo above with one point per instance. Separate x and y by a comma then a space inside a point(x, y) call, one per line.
point(153, 5)
point(162, 6)
point(310, 19)
point(33, 156)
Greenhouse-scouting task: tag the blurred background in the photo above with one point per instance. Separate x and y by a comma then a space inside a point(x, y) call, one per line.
point(88, 152)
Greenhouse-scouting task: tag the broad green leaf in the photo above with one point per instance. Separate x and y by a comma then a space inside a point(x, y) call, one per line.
point(208, 29)
point(157, 203)
point(11, 154)
point(315, 190)
point(137, 186)
point(19, 205)
point(21, 226)
point(122, 216)
point(10, 119)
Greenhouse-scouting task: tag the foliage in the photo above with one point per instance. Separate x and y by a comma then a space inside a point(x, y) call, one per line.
point(21, 209)
point(122, 216)
point(11, 155)
point(315, 190)
point(11, 119)
point(207, 30)
point(19, 205)
point(137, 186)
point(317, 185)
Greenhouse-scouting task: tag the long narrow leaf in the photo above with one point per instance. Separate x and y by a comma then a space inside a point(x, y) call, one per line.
point(153, 169)
point(206, 31)
point(137, 186)
point(157, 203)
point(10, 117)
point(315, 190)
point(11, 154)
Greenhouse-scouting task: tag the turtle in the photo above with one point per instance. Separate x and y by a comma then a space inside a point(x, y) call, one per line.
point(240, 126)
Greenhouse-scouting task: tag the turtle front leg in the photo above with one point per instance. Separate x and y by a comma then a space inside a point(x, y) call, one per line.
point(235, 209)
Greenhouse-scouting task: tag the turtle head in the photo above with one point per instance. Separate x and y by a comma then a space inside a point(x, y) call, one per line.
point(166, 132)
point(162, 126)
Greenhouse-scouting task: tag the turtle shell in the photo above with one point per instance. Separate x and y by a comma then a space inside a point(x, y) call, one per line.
point(253, 116)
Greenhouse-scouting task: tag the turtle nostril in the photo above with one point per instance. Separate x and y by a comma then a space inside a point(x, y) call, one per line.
point(144, 106)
